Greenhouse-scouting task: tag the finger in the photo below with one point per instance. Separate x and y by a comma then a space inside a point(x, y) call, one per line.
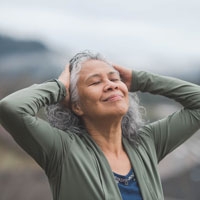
point(118, 68)
point(66, 71)
point(67, 68)
point(121, 70)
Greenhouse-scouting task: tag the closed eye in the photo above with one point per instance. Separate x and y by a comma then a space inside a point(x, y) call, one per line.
point(96, 83)
point(115, 79)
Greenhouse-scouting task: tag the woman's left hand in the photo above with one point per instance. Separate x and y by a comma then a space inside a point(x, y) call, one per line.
point(125, 74)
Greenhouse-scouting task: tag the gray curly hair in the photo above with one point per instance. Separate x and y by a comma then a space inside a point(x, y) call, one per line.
point(66, 120)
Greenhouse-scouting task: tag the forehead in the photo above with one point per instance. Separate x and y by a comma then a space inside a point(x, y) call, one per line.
point(95, 67)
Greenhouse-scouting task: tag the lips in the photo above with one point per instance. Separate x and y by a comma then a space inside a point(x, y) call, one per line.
point(114, 97)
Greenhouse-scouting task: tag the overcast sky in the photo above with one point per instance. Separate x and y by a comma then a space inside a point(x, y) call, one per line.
point(147, 33)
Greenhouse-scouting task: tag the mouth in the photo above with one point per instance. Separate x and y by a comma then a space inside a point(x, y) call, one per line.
point(114, 97)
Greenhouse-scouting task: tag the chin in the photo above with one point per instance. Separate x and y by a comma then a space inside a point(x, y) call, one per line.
point(120, 111)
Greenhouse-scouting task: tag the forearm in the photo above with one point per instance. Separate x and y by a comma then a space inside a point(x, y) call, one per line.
point(186, 93)
point(30, 100)
point(173, 130)
point(18, 116)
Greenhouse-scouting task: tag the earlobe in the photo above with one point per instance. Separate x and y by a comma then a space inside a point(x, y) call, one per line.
point(77, 109)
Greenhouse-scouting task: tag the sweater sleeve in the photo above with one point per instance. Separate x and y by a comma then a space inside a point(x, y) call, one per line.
point(36, 136)
point(170, 132)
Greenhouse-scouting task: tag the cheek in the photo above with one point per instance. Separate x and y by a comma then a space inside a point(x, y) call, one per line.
point(126, 103)
point(89, 97)
point(124, 89)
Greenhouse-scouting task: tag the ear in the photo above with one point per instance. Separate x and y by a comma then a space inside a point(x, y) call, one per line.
point(77, 109)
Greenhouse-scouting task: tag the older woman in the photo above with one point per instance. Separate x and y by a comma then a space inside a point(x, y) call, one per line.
point(96, 146)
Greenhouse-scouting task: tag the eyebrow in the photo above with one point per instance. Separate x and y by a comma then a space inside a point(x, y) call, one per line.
point(99, 75)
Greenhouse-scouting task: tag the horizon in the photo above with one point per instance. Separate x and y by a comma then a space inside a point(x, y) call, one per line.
point(146, 34)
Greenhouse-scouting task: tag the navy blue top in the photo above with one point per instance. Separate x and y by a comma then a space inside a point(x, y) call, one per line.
point(128, 186)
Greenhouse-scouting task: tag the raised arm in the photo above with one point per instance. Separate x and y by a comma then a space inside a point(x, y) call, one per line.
point(18, 116)
point(170, 132)
point(173, 130)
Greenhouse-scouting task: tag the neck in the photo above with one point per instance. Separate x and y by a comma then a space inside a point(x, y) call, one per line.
point(107, 134)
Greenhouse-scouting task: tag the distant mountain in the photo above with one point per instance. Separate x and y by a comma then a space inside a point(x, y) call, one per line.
point(10, 45)
point(23, 63)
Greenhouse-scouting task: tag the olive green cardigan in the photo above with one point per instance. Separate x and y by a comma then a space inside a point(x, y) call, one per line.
point(75, 165)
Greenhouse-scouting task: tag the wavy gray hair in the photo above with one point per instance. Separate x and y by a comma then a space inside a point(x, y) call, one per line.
point(66, 120)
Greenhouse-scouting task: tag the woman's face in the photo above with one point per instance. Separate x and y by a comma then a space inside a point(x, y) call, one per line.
point(102, 94)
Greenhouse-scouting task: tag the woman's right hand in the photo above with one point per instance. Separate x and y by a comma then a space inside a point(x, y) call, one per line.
point(65, 79)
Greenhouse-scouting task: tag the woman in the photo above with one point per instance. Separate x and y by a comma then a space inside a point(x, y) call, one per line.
point(102, 151)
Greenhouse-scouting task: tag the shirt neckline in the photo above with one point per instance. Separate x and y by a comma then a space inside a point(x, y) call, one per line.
point(124, 176)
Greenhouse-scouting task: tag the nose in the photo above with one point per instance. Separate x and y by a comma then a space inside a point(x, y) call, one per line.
point(110, 85)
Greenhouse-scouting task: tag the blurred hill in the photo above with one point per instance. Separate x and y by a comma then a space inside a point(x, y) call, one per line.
point(11, 46)
point(25, 62)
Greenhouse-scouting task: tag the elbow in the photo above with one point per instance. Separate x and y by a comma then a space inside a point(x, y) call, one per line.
point(6, 109)
point(4, 105)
